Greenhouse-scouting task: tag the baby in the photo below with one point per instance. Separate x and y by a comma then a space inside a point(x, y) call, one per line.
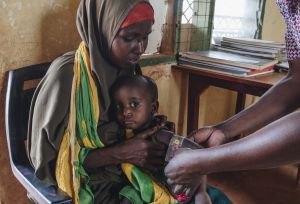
point(135, 100)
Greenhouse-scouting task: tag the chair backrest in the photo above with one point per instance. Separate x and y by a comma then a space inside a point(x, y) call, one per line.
point(20, 89)
point(21, 86)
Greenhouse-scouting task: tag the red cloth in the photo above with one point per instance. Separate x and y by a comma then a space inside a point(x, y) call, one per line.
point(140, 12)
point(183, 198)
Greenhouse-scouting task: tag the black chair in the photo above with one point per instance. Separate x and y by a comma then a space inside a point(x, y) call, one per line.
point(18, 100)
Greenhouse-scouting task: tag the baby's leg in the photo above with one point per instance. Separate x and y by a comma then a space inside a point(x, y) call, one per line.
point(201, 195)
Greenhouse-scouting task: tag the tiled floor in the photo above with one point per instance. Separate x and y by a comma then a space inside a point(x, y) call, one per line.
point(274, 186)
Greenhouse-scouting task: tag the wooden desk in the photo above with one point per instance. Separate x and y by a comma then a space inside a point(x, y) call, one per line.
point(200, 80)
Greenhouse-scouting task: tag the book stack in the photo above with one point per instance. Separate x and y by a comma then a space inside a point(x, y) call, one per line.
point(282, 66)
point(253, 47)
point(227, 63)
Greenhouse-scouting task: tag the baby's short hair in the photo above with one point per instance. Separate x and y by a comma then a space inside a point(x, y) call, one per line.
point(137, 80)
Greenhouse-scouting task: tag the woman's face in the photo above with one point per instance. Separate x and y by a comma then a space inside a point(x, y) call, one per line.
point(129, 44)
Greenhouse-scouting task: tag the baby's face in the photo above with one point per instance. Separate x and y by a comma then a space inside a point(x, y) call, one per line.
point(134, 107)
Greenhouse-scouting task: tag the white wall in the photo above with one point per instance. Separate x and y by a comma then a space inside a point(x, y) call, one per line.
point(160, 11)
point(274, 26)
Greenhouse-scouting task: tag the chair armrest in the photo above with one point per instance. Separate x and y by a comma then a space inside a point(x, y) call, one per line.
point(38, 190)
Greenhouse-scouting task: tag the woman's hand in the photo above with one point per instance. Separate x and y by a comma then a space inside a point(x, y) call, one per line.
point(138, 151)
point(208, 136)
point(142, 152)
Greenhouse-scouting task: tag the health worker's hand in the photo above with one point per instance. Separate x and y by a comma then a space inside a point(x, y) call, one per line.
point(183, 170)
point(208, 136)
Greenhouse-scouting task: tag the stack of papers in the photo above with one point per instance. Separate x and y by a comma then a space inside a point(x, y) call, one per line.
point(228, 63)
point(253, 47)
point(282, 66)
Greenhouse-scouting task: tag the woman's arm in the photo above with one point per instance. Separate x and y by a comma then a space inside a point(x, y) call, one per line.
point(138, 151)
point(276, 144)
point(281, 99)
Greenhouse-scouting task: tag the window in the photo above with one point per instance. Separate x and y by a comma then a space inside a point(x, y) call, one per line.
point(187, 11)
point(155, 38)
point(196, 22)
point(161, 44)
point(203, 20)
point(237, 19)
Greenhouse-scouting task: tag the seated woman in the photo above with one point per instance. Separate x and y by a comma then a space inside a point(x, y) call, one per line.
point(73, 141)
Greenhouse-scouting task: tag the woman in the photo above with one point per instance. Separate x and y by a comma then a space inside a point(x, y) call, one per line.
point(115, 34)
point(73, 141)
point(275, 144)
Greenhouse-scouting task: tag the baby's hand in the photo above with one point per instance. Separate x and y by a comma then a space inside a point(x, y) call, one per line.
point(162, 121)
point(163, 136)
